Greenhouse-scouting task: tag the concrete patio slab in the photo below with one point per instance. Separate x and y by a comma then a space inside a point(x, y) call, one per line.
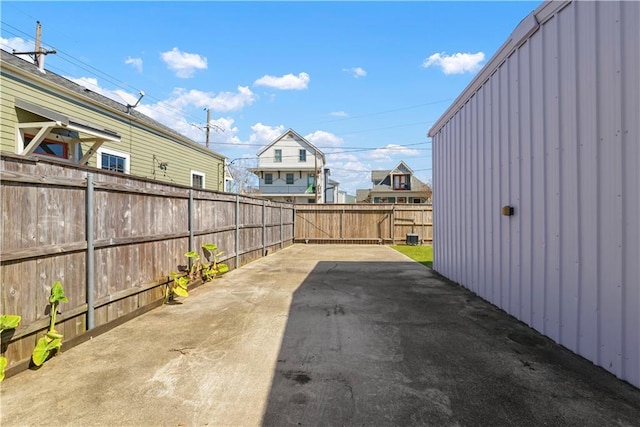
point(321, 335)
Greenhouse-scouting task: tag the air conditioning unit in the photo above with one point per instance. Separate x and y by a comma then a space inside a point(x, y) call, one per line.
point(412, 239)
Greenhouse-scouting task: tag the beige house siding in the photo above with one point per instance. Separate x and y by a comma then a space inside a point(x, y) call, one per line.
point(139, 140)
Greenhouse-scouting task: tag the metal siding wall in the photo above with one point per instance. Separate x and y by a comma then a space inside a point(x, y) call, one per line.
point(513, 195)
point(553, 132)
point(569, 182)
point(609, 186)
point(630, 20)
point(587, 113)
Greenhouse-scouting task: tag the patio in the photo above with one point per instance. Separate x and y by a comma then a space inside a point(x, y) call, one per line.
point(321, 335)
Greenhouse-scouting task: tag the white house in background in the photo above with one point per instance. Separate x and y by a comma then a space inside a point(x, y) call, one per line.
point(291, 169)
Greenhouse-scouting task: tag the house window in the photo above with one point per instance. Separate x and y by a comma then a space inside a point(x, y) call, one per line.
point(303, 155)
point(49, 147)
point(401, 182)
point(384, 200)
point(268, 178)
point(289, 179)
point(402, 200)
point(113, 160)
point(278, 156)
point(197, 179)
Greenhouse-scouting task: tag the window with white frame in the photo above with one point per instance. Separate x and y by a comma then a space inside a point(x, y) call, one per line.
point(197, 179)
point(268, 178)
point(277, 156)
point(289, 179)
point(303, 155)
point(401, 182)
point(113, 160)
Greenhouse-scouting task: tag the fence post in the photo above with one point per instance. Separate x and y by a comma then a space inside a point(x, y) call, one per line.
point(281, 230)
point(90, 262)
point(424, 237)
point(393, 224)
point(342, 223)
point(293, 228)
point(237, 237)
point(264, 228)
point(190, 223)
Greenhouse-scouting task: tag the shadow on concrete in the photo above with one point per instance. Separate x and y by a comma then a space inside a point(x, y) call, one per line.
point(393, 344)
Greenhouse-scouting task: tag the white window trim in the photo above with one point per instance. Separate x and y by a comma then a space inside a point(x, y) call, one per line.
point(204, 185)
point(126, 156)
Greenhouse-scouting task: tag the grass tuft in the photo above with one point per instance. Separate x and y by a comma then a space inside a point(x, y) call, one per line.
point(421, 254)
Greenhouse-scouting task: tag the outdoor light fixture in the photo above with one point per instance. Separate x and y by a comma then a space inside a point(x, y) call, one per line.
point(508, 210)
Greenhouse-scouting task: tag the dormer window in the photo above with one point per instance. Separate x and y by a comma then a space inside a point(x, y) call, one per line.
point(401, 182)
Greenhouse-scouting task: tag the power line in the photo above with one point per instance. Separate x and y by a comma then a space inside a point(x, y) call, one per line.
point(388, 111)
point(70, 59)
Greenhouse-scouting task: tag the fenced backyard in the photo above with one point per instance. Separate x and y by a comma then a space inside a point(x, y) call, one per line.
point(114, 240)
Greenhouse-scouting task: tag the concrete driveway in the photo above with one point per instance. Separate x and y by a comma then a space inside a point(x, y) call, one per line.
point(321, 335)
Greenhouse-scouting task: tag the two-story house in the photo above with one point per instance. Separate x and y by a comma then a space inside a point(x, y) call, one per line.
point(398, 185)
point(291, 169)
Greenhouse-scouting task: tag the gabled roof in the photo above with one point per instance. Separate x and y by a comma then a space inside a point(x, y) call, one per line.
point(400, 169)
point(297, 136)
point(83, 92)
point(416, 185)
point(383, 178)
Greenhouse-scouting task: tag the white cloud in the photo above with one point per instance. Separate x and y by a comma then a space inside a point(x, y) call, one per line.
point(457, 63)
point(338, 114)
point(391, 152)
point(171, 112)
point(286, 82)
point(227, 135)
point(136, 63)
point(350, 172)
point(19, 45)
point(356, 71)
point(263, 134)
point(117, 95)
point(324, 139)
point(182, 63)
point(222, 101)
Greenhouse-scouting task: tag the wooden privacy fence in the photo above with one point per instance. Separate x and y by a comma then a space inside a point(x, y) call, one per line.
point(363, 223)
point(113, 241)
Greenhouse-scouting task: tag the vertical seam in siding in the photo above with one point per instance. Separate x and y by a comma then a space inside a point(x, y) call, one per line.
point(597, 211)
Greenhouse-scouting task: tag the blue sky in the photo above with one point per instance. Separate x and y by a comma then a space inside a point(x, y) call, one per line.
point(363, 81)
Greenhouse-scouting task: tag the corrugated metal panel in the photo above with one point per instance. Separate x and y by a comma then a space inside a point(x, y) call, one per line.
point(554, 131)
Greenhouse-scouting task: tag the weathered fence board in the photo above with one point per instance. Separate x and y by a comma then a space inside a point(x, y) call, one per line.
point(363, 223)
point(141, 232)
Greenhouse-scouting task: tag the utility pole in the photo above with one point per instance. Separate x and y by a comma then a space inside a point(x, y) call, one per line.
point(208, 126)
point(39, 53)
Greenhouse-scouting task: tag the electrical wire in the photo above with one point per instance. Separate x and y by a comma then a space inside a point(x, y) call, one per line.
point(63, 55)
